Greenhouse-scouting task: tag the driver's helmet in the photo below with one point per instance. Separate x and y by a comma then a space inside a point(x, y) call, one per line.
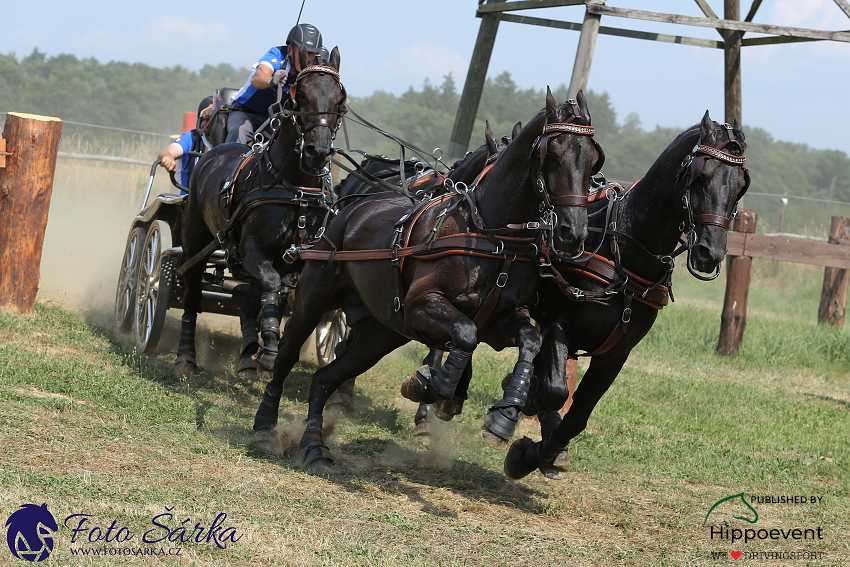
point(205, 103)
point(307, 36)
point(325, 55)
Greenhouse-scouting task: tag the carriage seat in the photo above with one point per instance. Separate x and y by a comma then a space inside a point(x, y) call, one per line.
point(223, 98)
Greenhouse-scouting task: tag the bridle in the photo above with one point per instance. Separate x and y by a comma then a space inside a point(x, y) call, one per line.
point(281, 110)
point(547, 201)
point(689, 170)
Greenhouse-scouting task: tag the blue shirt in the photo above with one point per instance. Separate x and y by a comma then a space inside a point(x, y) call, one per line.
point(185, 164)
point(259, 100)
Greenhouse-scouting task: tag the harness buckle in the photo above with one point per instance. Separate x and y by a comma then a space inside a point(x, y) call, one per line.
point(502, 281)
point(291, 255)
point(627, 315)
point(220, 237)
point(397, 304)
point(533, 225)
point(302, 221)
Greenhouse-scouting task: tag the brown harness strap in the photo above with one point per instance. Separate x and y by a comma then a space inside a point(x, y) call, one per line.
point(492, 299)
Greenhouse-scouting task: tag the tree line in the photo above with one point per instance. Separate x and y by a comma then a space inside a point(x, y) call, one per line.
point(141, 97)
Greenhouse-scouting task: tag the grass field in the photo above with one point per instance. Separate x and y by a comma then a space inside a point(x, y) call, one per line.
point(90, 427)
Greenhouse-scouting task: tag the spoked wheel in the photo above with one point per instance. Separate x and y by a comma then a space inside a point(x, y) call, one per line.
point(125, 295)
point(330, 331)
point(153, 287)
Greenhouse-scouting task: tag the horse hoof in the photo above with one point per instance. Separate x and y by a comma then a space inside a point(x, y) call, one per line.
point(515, 465)
point(558, 469)
point(185, 365)
point(498, 429)
point(265, 359)
point(321, 466)
point(416, 389)
point(494, 441)
point(447, 409)
point(247, 368)
point(422, 430)
point(316, 458)
point(267, 439)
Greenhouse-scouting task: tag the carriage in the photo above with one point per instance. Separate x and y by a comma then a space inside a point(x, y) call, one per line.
point(148, 286)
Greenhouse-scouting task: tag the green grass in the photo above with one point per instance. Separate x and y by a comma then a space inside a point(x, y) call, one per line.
point(89, 426)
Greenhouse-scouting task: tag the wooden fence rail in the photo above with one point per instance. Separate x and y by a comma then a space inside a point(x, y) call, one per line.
point(743, 244)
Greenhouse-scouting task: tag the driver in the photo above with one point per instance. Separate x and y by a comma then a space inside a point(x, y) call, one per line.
point(279, 66)
point(172, 158)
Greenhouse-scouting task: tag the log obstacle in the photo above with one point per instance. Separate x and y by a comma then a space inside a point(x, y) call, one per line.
point(26, 184)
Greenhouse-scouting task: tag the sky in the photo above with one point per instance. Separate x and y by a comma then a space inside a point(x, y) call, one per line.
point(797, 92)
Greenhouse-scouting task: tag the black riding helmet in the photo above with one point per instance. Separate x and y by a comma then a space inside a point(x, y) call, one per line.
point(305, 35)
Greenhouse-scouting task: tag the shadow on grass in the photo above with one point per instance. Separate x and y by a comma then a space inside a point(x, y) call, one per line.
point(362, 460)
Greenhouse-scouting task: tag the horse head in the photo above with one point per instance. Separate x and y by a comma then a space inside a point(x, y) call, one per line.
point(714, 179)
point(567, 156)
point(317, 103)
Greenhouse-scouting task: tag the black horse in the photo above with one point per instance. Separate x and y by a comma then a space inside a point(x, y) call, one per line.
point(379, 173)
point(468, 289)
point(277, 201)
point(693, 187)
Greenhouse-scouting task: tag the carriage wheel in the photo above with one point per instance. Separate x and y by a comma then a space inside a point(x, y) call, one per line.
point(153, 287)
point(330, 331)
point(125, 295)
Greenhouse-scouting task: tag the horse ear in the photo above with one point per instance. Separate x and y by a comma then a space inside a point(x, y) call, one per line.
point(707, 127)
point(490, 139)
point(582, 105)
point(737, 126)
point(551, 105)
point(334, 62)
point(517, 129)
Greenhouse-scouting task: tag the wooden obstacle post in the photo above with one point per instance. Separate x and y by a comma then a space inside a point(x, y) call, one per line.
point(26, 184)
point(738, 268)
point(584, 51)
point(474, 85)
point(732, 62)
point(833, 299)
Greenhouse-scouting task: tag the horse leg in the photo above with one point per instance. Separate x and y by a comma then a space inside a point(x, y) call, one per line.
point(314, 299)
point(194, 235)
point(186, 363)
point(372, 341)
point(501, 421)
point(259, 265)
point(432, 314)
point(249, 310)
point(525, 456)
point(447, 409)
point(342, 400)
point(433, 360)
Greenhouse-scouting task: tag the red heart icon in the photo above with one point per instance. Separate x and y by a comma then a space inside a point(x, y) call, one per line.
point(735, 554)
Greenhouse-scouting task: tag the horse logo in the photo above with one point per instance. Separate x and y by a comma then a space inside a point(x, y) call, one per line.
point(734, 496)
point(30, 532)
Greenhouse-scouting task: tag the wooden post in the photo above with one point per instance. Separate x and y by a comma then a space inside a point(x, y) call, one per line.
point(584, 52)
point(738, 268)
point(25, 188)
point(732, 52)
point(474, 85)
point(833, 299)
